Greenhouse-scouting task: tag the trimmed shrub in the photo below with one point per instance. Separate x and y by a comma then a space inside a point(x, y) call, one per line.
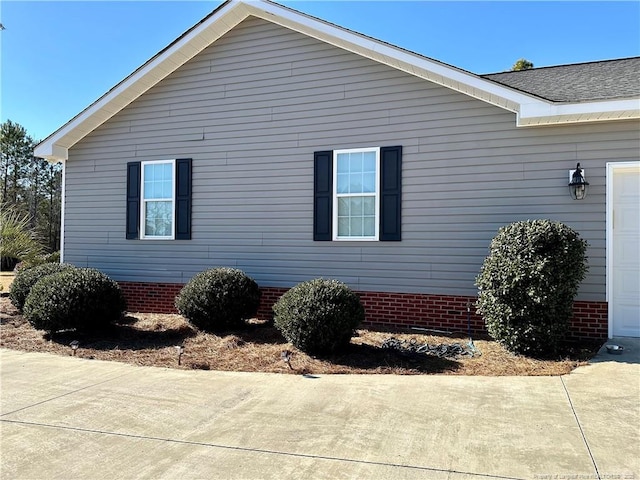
point(219, 299)
point(84, 299)
point(528, 282)
point(26, 278)
point(318, 316)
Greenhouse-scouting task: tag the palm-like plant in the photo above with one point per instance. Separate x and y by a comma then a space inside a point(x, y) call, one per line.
point(17, 240)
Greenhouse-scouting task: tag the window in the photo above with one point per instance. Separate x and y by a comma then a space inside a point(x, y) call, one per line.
point(159, 199)
point(357, 194)
point(355, 189)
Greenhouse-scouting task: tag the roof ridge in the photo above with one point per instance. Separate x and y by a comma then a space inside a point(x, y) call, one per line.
point(562, 65)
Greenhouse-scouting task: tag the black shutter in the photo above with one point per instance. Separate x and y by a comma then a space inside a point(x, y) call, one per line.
point(183, 199)
point(133, 199)
point(390, 193)
point(322, 195)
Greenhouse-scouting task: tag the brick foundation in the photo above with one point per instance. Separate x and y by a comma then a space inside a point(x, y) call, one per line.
point(151, 297)
point(590, 320)
point(270, 295)
point(383, 310)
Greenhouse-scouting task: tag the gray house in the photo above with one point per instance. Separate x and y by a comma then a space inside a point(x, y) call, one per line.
point(291, 148)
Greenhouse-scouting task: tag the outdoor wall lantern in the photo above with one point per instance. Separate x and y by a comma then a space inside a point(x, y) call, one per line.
point(577, 184)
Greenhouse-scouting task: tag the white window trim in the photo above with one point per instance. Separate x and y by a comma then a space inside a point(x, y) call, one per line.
point(143, 219)
point(375, 237)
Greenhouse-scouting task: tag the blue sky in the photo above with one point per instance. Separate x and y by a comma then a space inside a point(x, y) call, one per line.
point(58, 57)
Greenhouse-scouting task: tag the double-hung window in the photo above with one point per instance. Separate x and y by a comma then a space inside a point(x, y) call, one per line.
point(355, 187)
point(158, 199)
point(357, 194)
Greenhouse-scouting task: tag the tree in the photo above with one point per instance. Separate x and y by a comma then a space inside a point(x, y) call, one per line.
point(30, 188)
point(51, 206)
point(16, 150)
point(522, 64)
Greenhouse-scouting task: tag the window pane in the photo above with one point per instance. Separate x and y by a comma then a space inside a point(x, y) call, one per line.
point(369, 226)
point(356, 216)
point(148, 188)
point(343, 226)
point(356, 172)
point(369, 162)
point(355, 162)
point(369, 182)
point(356, 206)
point(166, 172)
point(343, 183)
point(148, 172)
point(166, 189)
point(158, 181)
point(158, 219)
point(356, 226)
point(369, 206)
point(355, 183)
point(343, 207)
point(343, 163)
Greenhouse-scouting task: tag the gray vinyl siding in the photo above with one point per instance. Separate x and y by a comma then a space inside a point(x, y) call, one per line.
point(251, 110)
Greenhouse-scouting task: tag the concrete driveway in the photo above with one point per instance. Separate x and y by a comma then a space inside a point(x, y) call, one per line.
point(62, 417)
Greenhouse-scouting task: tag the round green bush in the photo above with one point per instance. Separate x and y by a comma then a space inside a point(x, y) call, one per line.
point(527, 285)
point(219, 299)
point(318, 316)
point(84, 299)
point(26, 278)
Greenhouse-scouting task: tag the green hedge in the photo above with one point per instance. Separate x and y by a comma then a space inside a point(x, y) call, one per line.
point(528, 282)
point(26, 278)
point(76, 298)
point(318, 316)
point(219, 299)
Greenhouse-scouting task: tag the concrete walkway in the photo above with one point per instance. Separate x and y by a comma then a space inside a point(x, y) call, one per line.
point(62, 417)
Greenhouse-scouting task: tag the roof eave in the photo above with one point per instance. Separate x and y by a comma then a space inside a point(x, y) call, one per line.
point(547, 113)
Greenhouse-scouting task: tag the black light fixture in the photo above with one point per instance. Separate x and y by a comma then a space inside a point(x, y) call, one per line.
point(577, 185)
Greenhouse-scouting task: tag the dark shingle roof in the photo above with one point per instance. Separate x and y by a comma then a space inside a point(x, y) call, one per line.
point(580, 82)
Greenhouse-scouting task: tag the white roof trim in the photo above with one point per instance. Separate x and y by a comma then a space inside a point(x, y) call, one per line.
point(530, 110)
point(545, 113)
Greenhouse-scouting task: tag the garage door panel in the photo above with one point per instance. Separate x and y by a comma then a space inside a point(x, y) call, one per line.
point(627, 320)
point(627, 221)
point(628, 252)
point(629, 285)
point(624, 308)
point(628, 184)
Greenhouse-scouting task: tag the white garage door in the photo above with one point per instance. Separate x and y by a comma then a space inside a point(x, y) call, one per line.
point(624, 267)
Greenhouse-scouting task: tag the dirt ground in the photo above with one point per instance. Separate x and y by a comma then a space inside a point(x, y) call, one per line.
point(152, 339)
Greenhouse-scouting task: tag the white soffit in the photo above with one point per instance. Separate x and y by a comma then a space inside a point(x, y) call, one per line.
point(530, 110)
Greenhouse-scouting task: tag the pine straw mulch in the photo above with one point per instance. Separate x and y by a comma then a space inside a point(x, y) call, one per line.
point(151, 339)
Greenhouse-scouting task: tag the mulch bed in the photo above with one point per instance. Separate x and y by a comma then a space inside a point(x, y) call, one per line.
point(151, 339)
